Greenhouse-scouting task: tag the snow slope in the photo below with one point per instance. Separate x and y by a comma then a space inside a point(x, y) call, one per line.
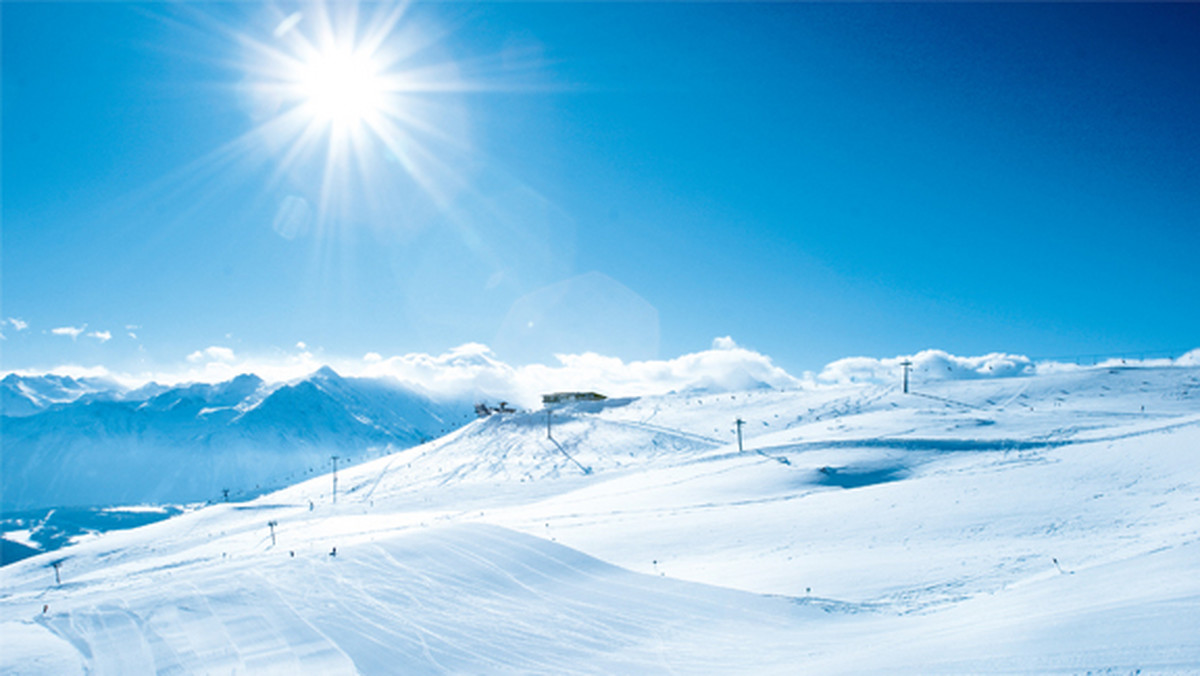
point(1041, 524)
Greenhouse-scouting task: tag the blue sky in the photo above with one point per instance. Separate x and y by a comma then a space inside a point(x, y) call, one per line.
point(815, 180)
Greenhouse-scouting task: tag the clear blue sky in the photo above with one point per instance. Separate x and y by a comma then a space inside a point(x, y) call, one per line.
point(816, 180)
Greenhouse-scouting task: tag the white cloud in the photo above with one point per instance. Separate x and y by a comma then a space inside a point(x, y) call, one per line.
point(927, 365)
point(102, 336)
point(724, 343)
point(462, 371)
point(72, 331)
point(372, 357)
point(77, 371)
point(18, 324)
point(214, 353)
point(940, 365)
point(474, 369)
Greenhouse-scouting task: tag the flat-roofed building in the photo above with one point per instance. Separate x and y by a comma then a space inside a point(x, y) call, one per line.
point(567, 397)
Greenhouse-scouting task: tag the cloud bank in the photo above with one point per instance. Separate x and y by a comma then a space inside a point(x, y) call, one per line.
point(472, 371)
point(927, 365)
point(215, 353)
point(940, 365)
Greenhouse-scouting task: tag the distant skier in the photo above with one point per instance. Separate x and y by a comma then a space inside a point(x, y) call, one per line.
point(334, 552)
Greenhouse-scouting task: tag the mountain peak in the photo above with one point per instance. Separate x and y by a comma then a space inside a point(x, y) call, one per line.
point(325, 373)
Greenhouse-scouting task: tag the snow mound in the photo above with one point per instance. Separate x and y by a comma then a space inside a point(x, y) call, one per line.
point(455, 599)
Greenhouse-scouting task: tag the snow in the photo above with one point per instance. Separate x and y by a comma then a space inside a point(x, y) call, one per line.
point(27, 395)
point(1047, 523)
point(21, 536)
point(31, 648)
point(136, 509)
point(193, 442)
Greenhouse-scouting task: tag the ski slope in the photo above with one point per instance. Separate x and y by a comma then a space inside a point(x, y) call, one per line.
point(1037, 524)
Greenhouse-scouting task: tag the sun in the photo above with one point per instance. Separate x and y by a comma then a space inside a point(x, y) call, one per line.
point(358, 113)
point(341, 87)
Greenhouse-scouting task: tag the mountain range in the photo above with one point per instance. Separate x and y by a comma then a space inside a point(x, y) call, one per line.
point(75, 442)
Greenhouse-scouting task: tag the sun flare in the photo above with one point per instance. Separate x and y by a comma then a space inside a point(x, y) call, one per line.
point(341, 87)
point(357, 112)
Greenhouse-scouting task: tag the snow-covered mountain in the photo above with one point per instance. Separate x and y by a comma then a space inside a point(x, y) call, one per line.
point(26, 395)
point(1037, 524)
point(190, 443)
